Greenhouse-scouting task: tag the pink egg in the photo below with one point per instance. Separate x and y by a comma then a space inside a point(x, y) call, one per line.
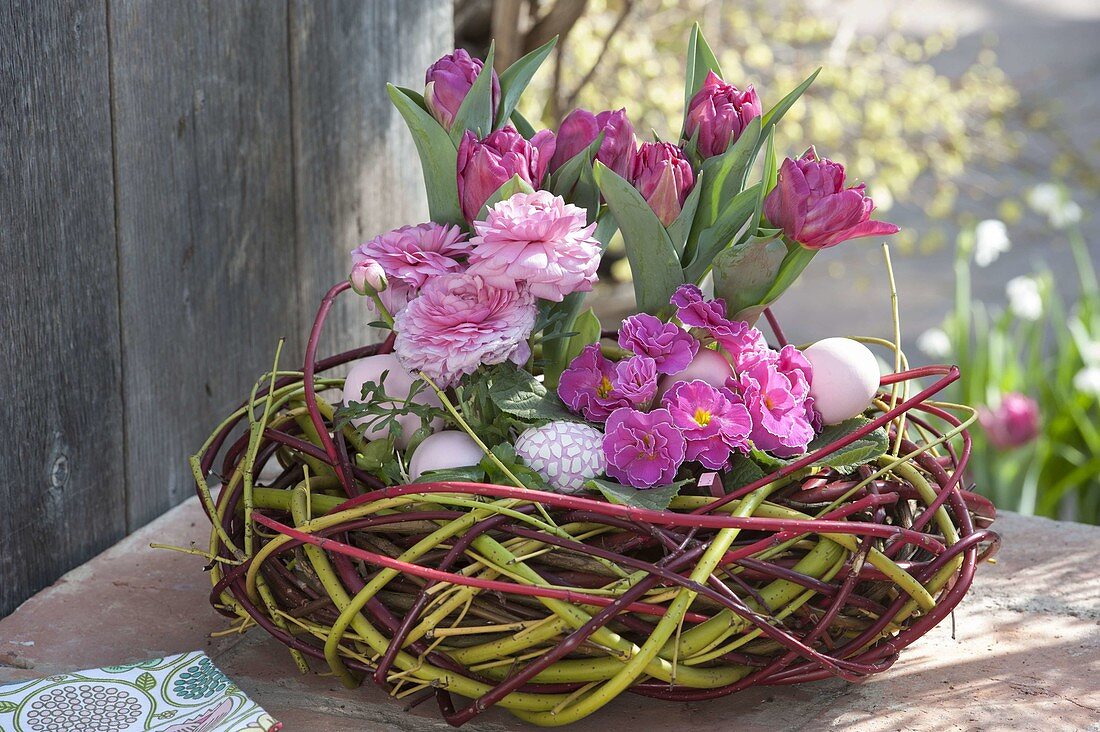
point(398, 384)
point(708, 365)
point(845, 378)
point(443, 450)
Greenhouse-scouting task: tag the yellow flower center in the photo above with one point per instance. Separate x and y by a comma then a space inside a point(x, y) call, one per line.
point(701, 417)
point(604, 388)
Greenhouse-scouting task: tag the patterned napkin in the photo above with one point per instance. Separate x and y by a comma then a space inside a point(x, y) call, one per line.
point(181, 693)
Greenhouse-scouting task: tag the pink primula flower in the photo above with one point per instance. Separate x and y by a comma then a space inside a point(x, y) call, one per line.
point(596, 386)
point(714, 421)
point(779, 417)
point(643, 449)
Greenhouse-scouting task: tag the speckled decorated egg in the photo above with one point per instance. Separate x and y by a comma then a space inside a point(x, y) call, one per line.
point(565, 454)
point(398, 384)
point(443, 450)
point(845, 378)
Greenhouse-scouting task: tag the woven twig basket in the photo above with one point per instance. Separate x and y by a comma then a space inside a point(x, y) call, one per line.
point(552, 605)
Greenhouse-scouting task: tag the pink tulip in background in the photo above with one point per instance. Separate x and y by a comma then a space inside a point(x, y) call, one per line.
point(719, 112)
point(448, 81)
point(663, 175)
point(1013, 423)
point(580, 128)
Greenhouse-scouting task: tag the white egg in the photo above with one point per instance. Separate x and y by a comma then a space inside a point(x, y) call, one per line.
point(398, 384)
point(708, 365)
point(845, 378)
point(443, 450)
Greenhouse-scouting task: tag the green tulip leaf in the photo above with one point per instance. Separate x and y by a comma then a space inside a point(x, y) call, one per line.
point(731, 226)
point(438, 156)
point(476, 111)
point(700, 60)
point(744, 274)
point(681, 227)
point(522, 126)
point(654, 263)
point(565, 179)
point(773, 115)
point(587, 328)
point(512, 186)
point(516, 77)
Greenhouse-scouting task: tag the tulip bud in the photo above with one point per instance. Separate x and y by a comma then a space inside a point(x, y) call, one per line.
point(485, 165)
point(719, 113)
point(663, 175)
point(1014, 422)
point(812, 206)
point(448, 81)
point(580, 128)
point(367, 277)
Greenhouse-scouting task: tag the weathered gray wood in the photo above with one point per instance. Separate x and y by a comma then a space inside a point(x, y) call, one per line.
point(205, 223)
point(356, 170)
point(62, 497)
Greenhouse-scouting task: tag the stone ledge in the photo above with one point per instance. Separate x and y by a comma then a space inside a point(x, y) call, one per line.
point(1025, 653)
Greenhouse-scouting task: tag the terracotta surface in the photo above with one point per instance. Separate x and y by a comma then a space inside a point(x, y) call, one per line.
point(1026, 653)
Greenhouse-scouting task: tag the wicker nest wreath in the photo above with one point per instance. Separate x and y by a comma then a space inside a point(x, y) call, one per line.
point(552, 605)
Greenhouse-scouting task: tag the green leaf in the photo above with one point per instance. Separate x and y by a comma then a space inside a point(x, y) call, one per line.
point(744, 274)
point(654, 263)
point(847, 458)
point(145, 682)
point(476, 111)
point(742, 471)
point(700, 60)
point(468, 474)
point(438, 156)
point(773, 115)
point(681, 227)
point(522, 126)
point(564, 180)
point(516, 392)
point(724, 175)
point(516, 77)
point(654, 499)
point(796, 260)
point(587, 326)
point(730, 227)
point(511, 187)
point(506, 454)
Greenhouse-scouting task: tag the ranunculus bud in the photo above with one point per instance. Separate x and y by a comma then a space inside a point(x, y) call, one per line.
point(447, 82)
point(663, 175)
point(485, 165)
point(367, 277)
point(812, 206)
point(1013, 423)
point(719, 112)
point(580, 128)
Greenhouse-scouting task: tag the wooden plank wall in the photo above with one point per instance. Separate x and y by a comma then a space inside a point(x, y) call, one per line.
point(182, 181)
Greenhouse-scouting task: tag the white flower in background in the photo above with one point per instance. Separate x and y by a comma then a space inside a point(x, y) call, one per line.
point(990, 241)
point(1024, 299)
point(934, 343)
point(1087, 381)
point(1053, 201)
point(1090, 353)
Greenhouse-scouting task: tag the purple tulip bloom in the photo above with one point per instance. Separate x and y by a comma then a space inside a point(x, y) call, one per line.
point(741, 342)
point(485, 165)
point(714, 421)
point(448, 81)
point(663, 175)
point(595, 386)
point(669, 346)
point(779, 417)
point(719, 114)
point(580, 128)
point(643, 449)
point(812, 206)
point(1013, 423)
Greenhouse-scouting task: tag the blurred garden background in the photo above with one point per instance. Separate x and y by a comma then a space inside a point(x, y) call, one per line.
point(975, 127)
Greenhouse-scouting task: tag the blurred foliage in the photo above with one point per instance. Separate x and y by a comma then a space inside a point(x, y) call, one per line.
point(879, 106)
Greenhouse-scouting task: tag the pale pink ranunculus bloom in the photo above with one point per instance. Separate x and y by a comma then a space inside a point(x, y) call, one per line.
point(536, 240)
point(410, 255)
point(460, 322)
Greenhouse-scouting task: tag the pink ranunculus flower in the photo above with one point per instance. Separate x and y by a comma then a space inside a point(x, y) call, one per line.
point(714, 421)
point(448, 81)
point(662, 174)
point(643, 449)
point(595, 386)
point(367, 277)
point(460, 322)
point(410, 255)
point(580, 128)
point(719, 113)
point(780, 424)
point(1013, 423)
point(670, 346)
point(485, 165)
point(812, 206)
point(539, 241)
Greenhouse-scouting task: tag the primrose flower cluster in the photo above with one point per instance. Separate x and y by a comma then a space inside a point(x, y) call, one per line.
point(700, 395)
point(491, 287)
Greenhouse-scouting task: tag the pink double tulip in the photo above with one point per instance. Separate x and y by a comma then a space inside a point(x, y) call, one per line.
point(663, 175)
point(485, 165)
point(812, 206)
point(719, 113)
point(580, 128)
point(1013, 423)
point(448, 81)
